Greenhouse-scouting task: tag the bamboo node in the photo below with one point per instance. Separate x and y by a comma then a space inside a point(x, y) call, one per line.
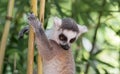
point(9, 18)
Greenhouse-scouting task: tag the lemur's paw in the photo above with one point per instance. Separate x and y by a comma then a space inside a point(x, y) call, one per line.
point(33, 21)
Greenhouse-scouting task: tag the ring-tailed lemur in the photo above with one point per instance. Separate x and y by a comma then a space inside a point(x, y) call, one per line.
point(55, 50)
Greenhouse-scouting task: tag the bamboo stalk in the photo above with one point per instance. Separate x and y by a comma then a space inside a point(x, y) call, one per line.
point(42, 11)
point(41, 17)
point(31, 41)
point(5, 33)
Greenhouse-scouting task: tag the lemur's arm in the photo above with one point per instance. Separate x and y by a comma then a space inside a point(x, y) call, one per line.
point(41, 39)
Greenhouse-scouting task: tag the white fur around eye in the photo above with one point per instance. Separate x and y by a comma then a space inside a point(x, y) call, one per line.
point(69, 34)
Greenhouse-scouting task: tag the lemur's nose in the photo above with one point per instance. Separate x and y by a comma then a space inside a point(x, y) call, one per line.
point(66, 47)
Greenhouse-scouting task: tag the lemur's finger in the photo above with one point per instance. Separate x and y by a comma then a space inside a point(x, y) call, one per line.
point(32, 20)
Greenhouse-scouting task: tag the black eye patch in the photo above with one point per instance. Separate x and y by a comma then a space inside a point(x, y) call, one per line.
point(72, 40)
point(62, 37)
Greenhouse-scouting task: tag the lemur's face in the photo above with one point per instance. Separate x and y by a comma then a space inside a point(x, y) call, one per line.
point(66, 37)
point(66, 31)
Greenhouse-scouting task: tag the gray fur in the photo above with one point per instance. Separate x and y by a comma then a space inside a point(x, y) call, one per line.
point(69, 24)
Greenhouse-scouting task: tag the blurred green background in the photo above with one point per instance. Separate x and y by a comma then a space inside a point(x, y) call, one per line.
point(95, 52)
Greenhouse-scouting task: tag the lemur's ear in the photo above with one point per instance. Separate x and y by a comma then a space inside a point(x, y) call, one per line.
point(82, 29)
point(57, 22)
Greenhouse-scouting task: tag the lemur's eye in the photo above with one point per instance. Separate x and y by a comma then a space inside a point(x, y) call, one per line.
point(72, 40)
point(62, 37)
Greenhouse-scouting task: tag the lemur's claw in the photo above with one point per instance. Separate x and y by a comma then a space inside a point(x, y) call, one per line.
point(31, 16)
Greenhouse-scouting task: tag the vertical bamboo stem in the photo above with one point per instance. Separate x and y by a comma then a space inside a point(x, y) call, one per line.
point(5, 33)
point(41, 17)
point(42, 11)
point(31, 41)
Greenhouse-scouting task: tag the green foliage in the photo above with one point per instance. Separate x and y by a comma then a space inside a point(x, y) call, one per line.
point(105, 57)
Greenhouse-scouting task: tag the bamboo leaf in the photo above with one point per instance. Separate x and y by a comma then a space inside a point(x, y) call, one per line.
point(106, 72)
point(92, 64)
point(105, 63)
point(98, 52)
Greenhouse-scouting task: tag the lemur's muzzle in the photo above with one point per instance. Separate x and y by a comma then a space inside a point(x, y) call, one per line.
point(66, 47)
